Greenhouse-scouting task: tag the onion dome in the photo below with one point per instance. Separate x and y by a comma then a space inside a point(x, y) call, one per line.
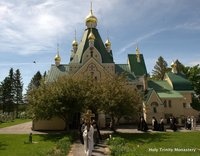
point(57, 58)
point(74, 43)
point(107, 43)
point(91, 36)
point(91, 20)
point(173, 64)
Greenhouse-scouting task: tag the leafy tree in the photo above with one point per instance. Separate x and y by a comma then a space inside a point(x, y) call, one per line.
point(67, 96)
point(160, 69)
point(195, 102)
point(18, 85)
point(119, 99)
point(93, 92)
point(193, 74)
point(62, 98)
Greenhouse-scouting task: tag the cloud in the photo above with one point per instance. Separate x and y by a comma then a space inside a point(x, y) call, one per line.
point(30, 26)
point(140, 39)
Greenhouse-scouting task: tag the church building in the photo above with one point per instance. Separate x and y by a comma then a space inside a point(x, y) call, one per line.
point(94, 58)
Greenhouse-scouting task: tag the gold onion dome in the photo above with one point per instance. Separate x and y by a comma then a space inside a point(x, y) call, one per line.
point(91, 18)
point(108, 43)
point(91, 36)
point(57, 58)
point(74, 43)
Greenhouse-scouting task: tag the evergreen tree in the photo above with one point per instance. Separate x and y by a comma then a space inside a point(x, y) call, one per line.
point(179, 66)
point(7, 95)
point(160, 69)
point(35, 82)
point(1, 100)
point(18, 89)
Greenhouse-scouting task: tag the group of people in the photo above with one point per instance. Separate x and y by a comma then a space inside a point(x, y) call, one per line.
point(190, 123)
point(89, 136)
point(156, 126)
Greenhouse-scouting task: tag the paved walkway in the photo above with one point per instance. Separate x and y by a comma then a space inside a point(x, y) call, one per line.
point(99, 150)
point(24, 128)
point(77, 148)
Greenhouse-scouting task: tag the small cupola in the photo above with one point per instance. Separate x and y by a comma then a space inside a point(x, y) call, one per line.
point(108, 45)
point(75, 44)
point(91, 38)
point(174, 67)
point(138, 54)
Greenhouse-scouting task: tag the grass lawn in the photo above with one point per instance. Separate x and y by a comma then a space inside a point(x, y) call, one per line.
point(155, 144)
point(14, 122)
point(16, 145)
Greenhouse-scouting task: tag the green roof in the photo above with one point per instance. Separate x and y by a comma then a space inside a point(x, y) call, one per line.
point(163, 89)
point(179, 82)
point(56, 71)
point(139, 68)
point(147, 94)
point(98, 44)
point(124, 69)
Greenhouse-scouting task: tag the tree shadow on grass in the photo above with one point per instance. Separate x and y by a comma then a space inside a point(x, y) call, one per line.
point(3, 146)
point(54, 137)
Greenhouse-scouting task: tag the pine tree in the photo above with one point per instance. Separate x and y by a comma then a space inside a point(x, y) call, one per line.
point(1, 100)
point(18, 85)
point(160, 69)
point(35, 82)
point(7, 95)
point(179, 66)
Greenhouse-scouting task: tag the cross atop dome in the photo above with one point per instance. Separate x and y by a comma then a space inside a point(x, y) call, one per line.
point(91, 20)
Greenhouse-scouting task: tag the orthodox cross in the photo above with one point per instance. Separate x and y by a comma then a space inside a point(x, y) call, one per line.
point(91, 53)
point(88, 115)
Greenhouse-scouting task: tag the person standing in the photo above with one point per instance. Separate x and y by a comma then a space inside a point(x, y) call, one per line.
point(154, 124)
point(161, 126)
point(88, 134)
point(81, 129)
point(188, 123)
point(88, 139)
point(142, 125)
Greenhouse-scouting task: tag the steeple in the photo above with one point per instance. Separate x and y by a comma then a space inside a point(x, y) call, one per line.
point(137, 54)
point(91, 20)
point(57, 57)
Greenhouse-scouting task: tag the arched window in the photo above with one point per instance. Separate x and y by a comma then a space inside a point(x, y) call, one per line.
point(154, 106)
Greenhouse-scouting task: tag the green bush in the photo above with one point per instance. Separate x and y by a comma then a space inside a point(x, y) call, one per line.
point(119, 146)
point(62, 147)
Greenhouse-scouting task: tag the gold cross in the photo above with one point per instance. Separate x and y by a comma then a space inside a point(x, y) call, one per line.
point(87, 116)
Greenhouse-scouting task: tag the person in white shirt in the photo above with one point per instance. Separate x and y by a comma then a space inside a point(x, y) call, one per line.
point(88, 133)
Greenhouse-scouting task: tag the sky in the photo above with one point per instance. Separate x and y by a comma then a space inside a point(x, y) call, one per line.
point(31, 29)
